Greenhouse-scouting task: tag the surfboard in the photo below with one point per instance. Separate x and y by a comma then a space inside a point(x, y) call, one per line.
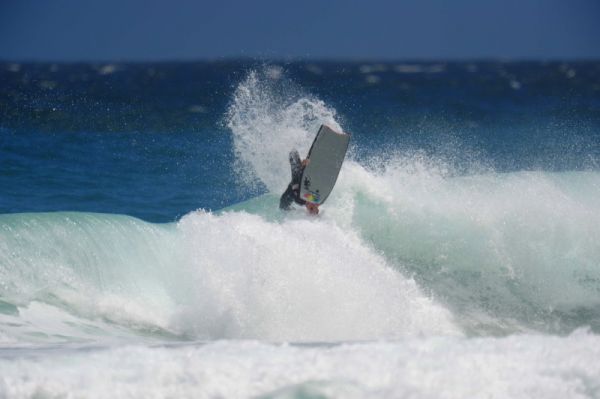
point(326, 156)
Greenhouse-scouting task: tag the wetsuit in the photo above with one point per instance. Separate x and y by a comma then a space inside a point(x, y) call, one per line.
point(292, 193)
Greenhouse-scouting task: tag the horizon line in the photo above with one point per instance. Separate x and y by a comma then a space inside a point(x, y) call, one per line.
point(289, 60)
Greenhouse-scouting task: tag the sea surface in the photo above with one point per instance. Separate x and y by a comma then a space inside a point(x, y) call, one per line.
point(143, 254)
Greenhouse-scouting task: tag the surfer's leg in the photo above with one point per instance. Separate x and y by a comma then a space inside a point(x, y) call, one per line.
point(295, 162)
point(286, 199)
point(296, 165)
point(294, 157)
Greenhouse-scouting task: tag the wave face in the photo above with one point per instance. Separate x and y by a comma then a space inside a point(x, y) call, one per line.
point(233, 275)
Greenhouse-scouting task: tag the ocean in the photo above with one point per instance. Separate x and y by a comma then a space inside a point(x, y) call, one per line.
point(143, 254)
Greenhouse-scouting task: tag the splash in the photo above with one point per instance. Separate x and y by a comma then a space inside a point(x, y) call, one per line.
point(268, 117)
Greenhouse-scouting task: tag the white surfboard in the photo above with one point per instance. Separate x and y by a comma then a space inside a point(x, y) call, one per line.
point(326, 156)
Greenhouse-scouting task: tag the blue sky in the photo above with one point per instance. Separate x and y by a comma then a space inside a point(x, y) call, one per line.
point(71, 30)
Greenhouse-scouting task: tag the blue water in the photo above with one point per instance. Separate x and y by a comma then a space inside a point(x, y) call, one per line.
point(69, 132)
point(140, 234)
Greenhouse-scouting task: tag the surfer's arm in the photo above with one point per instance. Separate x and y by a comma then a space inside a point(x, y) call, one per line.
point(299, 200)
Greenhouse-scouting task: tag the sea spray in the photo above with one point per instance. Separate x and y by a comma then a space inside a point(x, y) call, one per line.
point(268, 117)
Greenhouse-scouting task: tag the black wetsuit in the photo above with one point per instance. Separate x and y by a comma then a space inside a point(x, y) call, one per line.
point(292, 193)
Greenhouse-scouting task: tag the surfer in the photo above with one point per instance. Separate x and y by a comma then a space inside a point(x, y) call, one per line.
point(292, 193)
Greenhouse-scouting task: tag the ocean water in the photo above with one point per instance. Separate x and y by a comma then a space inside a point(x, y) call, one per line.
point(143, 254)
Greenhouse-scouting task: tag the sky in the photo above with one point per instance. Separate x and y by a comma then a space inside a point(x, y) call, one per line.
point(151, 30)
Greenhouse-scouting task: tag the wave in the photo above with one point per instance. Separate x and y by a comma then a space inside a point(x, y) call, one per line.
point(504, 251)
point(519, 249)
point(394, 254)
point(403, 247)
point(233, 275)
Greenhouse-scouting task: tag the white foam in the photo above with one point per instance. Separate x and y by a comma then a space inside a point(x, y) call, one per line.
point(315, 69)
point(373, 68)
point(419, 68)
point(299, 280)
point(372, 79)
point(13, 67)
point(514, 367)
point(108, 69)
